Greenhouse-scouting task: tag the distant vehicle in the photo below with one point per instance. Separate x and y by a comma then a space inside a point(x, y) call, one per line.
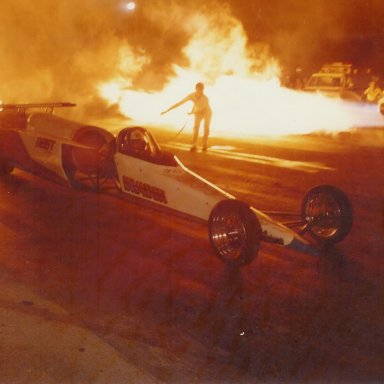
point(338, 80)
point(133, 165)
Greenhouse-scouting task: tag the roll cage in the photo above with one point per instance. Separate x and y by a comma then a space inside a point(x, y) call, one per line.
point(150, 152)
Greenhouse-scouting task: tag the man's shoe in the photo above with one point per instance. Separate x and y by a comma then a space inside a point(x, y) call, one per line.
point(193, 149)
point(204, 148)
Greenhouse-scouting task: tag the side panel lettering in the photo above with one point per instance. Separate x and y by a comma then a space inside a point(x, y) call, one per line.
point(44, 143)
point(146, 190)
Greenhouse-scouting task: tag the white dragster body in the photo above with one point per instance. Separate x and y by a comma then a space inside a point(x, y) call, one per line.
point(182, 190)
point(43, 146)
point(87, 157)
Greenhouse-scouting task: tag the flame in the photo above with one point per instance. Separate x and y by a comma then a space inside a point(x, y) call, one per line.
point(243, 86)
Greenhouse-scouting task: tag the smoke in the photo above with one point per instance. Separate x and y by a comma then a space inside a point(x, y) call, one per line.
point(310, 33)
point(63, 50)
point(59, 50)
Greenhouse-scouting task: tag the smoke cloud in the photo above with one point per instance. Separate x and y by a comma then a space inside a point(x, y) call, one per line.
point(311, 33)
point(59, 50)
point(62, 50)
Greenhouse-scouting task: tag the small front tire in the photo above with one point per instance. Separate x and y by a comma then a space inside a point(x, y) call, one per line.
point(327, 213)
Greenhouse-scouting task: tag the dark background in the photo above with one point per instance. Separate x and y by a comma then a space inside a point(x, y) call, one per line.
point(311, 32)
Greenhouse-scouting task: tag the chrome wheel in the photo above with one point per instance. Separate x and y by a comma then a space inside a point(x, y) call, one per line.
point(327, 213)
point(234, 232)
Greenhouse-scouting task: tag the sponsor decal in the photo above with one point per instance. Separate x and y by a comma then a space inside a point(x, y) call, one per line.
point(172, 171)
point(146, 190)
point(44, 143)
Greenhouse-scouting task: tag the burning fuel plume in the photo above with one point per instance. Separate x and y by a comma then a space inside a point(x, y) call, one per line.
point(136, 61)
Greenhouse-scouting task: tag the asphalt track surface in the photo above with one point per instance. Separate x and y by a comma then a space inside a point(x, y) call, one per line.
point(97, 289)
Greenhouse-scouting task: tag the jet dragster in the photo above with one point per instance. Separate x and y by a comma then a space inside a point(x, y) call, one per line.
point(132, 162)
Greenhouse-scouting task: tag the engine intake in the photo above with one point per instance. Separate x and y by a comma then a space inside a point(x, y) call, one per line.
point(92, 158)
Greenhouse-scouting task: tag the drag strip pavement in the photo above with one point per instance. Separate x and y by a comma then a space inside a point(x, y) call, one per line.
point(234, 153)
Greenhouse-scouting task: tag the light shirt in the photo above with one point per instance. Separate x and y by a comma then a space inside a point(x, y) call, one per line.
point(372, 93)
point(200, 103)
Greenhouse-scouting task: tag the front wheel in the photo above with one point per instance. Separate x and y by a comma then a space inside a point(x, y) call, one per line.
point(328, 214)
point(234, 232)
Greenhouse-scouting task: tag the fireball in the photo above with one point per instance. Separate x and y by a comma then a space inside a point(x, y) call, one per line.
point(243, 86)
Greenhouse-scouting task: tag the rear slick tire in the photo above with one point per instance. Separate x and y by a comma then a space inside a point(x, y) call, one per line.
point(234, 233)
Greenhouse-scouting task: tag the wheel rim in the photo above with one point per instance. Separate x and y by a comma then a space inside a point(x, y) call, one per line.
point(228, 234)
point(323, 213)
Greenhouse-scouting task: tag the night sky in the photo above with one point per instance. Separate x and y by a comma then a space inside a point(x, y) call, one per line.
point(311, 32)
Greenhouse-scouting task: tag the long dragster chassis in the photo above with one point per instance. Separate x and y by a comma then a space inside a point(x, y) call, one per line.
point(91, 158)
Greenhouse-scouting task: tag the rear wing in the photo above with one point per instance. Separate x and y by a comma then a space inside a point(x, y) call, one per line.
point(48, 106)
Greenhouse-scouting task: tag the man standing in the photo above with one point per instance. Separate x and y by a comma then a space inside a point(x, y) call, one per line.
point(201, 110)
point(372, 93)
